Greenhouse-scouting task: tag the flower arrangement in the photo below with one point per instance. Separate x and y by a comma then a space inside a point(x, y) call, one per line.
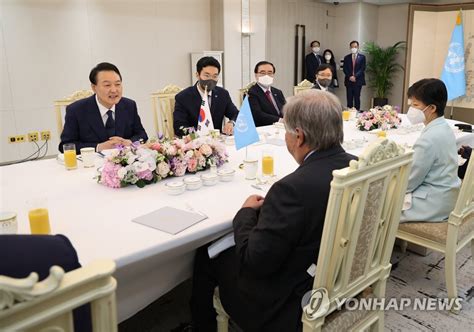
point(159, 158)
point(384, 118)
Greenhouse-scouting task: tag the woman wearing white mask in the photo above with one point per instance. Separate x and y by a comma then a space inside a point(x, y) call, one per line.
point(330, 60)
point(433, 184)
point(266, 101)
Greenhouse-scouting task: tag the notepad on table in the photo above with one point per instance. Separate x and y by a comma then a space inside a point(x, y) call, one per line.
point(169, 219)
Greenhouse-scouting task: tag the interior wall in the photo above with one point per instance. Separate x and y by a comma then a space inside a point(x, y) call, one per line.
point(392, 28)
point(282, 17)
point(47, 49)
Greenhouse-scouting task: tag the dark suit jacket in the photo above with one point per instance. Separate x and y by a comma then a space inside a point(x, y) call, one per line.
point(188, 104)
point(85, 128)
point(359, 71)
point(276, 246)
point(317, 87)
point(263, 111)
point(312, 63)
point(22, 254)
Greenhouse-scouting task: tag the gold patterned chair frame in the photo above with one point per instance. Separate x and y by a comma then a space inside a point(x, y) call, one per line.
point(361, 221)
point(447, 237)
point(244, 91)
point(163, 107)
point(28, 305)
point(302, 86)
point(61, 104)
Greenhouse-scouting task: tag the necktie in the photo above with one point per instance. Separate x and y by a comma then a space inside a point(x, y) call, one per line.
point(353, 63)
point(110, 124)
point(268, 94)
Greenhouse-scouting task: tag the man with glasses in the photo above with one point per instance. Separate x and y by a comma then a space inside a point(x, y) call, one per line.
point(266, 101)
point(324, 78)
point(193, 103)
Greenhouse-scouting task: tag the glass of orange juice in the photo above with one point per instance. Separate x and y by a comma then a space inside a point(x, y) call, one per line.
point(382, 133)
point(39, 216)
point(70, 160)
point(346, 115)
point(267, 163)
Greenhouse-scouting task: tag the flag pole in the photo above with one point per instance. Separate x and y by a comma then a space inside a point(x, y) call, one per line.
point(452, 106)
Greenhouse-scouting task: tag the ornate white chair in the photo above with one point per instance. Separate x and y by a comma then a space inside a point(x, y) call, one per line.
point(29, 305)
point(244, 91)
point(163, 107)
point(61, 104)
point(302, 86)
point(447, 237)
point(361, 221)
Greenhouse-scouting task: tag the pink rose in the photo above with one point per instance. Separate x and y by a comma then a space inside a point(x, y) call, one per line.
point(145, 174)
point(205, 150)
point(192, 165)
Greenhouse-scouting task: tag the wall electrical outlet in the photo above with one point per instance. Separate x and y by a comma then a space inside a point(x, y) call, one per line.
point(11, 139)
point(45, 135)
point(33, 136)
point(20, 138)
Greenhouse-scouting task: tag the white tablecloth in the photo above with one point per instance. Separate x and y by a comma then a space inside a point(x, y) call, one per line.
point(97, 219)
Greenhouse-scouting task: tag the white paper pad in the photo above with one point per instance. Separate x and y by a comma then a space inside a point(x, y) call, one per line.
point(169, 219)
point(276, 141)
point(220, 245)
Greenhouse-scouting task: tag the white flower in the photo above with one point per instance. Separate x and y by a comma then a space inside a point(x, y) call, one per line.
point(189, 154)
point(121, 173)
point(163, 169)
point(131, 157)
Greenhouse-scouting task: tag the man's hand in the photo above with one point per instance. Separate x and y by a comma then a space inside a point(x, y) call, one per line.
point(113, 142)
point(228, 128)
point(352, 79)
point(254, 202)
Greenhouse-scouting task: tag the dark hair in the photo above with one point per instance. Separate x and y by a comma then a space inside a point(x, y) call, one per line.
point(332, 61)
point(261, 63)
point(315, 41)
point(430, 91)
point(354, 41)
point(322, 67)
point(207, 61)
point(103, 66)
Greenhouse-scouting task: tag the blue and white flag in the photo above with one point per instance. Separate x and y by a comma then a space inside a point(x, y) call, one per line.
point(453, 74)
point(245, 132)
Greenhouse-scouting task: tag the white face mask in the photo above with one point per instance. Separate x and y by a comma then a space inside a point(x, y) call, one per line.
point(354, 50)
point(327, 57)
point(415, 115)
point(316, 49)
point(265, 80)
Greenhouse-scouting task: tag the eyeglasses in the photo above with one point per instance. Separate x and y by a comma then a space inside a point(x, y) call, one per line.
point(263, 73)
point(210, 77)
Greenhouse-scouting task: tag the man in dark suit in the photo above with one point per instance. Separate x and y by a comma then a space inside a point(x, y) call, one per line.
point(313, 60)
point(105, 119)
point(187, 107)
point(263, 278)
point(354, 69)
point(324, 78)
point(266, 101)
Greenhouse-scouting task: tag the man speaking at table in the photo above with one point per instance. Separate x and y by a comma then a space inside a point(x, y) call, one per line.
point(105, 119)
point(263, 278)
point(204, 105)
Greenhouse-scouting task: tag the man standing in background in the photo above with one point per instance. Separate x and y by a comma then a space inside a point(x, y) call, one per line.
point(354, 71)
point(313, 61)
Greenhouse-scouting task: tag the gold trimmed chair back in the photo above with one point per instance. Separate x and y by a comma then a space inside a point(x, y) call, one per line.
point(302, 86)
point(361, 222)
point(244, 91)
point(28, 305)
point(163, 107)
point(61, 104)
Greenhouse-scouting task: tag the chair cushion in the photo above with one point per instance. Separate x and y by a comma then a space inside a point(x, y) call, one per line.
point(345, 320)
point(437, 231)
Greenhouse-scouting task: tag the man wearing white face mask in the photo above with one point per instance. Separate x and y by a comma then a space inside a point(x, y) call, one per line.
point(266, 101)
point(313, 60)
point(354, 70)
point(433, 184)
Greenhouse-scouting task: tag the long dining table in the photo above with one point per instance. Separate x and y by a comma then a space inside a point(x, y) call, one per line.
point(98, 219)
